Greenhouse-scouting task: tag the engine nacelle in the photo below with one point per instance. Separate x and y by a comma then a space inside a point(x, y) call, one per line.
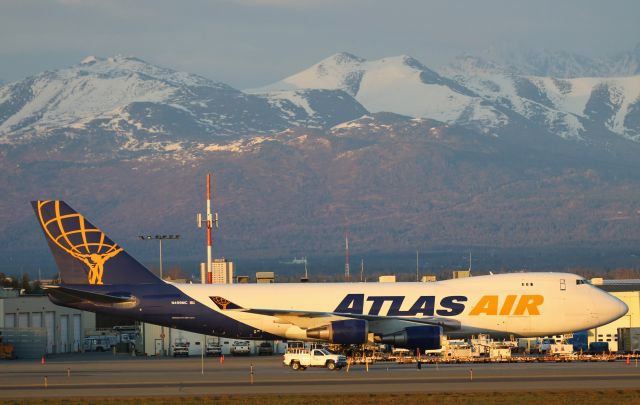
point(350, 331)
point(424, 337)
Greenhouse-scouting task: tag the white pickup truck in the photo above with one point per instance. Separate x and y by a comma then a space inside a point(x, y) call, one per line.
point(240, 347)
point(300, 359)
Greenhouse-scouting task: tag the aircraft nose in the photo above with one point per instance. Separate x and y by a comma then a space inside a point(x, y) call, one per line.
point(614, 307)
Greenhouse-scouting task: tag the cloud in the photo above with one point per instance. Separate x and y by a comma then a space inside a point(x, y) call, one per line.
point(293, 4)
point(85, 3)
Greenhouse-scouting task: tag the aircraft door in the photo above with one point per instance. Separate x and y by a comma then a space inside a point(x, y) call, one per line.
point(563, 285)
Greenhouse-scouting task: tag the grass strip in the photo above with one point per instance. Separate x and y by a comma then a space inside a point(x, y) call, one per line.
point(591, 397)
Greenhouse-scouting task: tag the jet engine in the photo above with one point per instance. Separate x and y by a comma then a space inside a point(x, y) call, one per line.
point(350, 331)
point(424, 337)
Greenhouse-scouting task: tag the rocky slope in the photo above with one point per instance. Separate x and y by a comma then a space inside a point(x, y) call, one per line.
point(402, 156)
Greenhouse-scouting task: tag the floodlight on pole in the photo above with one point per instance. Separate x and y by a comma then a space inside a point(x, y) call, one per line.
point(159, 238)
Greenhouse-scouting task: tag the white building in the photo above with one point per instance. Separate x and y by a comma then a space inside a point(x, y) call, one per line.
point(222, 270)
point(629, 292)
point(153, 341)
point(61, 329)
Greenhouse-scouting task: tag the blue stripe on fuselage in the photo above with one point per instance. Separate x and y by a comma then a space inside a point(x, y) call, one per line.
point(166, 305)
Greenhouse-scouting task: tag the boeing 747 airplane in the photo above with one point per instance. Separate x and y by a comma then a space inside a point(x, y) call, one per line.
point(99, 276)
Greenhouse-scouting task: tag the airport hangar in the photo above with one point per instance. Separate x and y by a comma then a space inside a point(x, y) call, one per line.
point(36, 326)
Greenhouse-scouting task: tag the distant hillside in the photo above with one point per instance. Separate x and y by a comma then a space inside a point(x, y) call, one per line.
point(486, 160)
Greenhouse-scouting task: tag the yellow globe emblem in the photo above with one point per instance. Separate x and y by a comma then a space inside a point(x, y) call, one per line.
point(71, 233)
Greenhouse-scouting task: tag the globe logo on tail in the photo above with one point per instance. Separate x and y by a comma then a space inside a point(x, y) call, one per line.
point(73, 234)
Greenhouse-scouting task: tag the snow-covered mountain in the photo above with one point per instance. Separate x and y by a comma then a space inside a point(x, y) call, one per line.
point(132, 105)
point(144, 106)
point(545, 63)
point(130, 140)
point(626, 63)
point(527, 62)
point(483, 94)
point(401, 85)
point(564, 106)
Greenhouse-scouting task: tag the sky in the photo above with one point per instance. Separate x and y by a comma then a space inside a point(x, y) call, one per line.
point(250, 43)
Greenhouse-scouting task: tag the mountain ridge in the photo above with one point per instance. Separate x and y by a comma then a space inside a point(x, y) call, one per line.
point(293, 168)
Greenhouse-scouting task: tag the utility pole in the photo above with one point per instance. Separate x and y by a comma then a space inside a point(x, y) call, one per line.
point(347, 276)
point(305, 278)
point(306, 274)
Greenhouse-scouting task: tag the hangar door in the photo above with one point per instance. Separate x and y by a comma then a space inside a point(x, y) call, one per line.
point(50, 325)
point(64, 333)
point(10, 320)
point(76, 332)
point(36, 319)
point(23, 320)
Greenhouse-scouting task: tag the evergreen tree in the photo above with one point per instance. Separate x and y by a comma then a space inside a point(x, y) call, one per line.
point(26, 283)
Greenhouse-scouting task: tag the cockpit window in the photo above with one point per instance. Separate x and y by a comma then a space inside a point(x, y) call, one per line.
point(582, 281)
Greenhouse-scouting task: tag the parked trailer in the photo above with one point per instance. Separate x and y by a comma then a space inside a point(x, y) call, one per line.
point(629, 340)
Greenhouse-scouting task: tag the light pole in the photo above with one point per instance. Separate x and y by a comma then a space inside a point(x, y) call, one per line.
point(159, 238)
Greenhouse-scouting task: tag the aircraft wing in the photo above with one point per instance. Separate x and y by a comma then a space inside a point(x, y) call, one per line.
point(446, 324)
point(307, 319)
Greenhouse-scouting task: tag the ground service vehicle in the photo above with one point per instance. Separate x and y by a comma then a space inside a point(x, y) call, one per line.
point(97, 344)
point(301, 359)
point(265, 348)
point(240, 347)
point(213, 349)
point(100, 276)
point(181, 347)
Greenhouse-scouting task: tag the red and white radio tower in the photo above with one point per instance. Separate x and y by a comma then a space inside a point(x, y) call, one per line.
point(211, 220)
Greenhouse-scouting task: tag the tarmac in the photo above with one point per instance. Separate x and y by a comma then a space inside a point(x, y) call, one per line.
point(106, 375)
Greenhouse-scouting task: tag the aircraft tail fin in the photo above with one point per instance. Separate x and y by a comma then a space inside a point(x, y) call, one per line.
point(83, 253)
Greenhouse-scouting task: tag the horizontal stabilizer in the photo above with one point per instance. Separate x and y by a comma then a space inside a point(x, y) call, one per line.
point(72, 294)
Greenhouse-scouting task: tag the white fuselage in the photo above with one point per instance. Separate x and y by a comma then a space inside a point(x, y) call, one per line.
point(520, 304)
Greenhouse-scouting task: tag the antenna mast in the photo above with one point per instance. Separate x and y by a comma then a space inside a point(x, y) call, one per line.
point(306, 275)
point(347, 276)
point(417, 267)
point(211, 220)
point(209, 236)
